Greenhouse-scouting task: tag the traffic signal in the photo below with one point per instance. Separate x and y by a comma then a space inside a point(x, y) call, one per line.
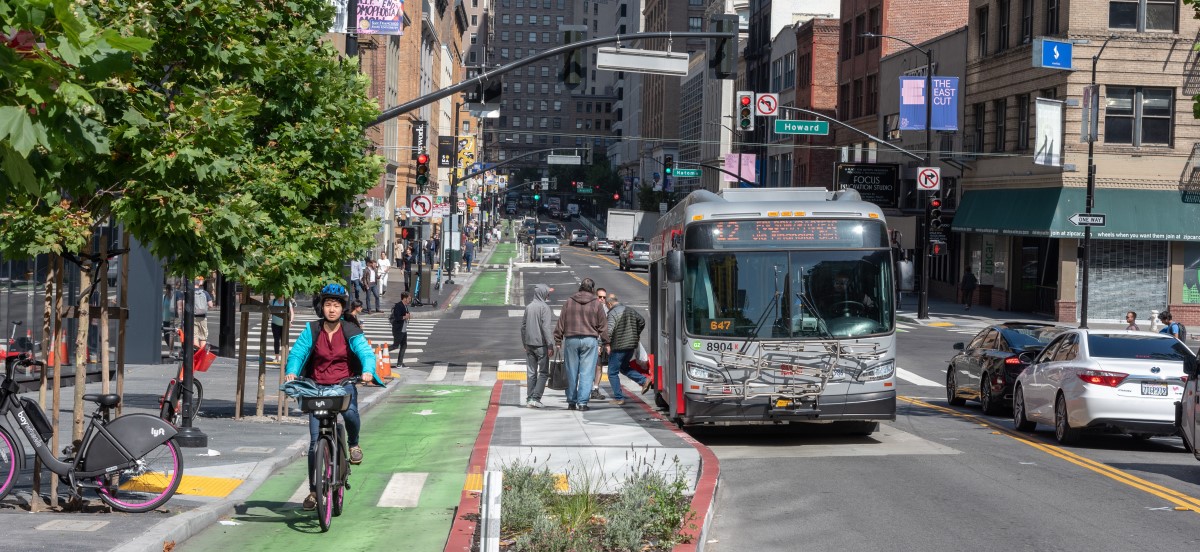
point(938, 248)
point(722, 52)
point(573, 62)
point(935, 214)
point(408, 233)
point(616, 197)
point(669, 165)
point(422, 171)
point(537, 197)
point(745, 111)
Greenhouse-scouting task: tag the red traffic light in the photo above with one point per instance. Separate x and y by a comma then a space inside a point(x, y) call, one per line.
point(745, 99)
point(616, 197)
point(935, 203)
point(423, 158)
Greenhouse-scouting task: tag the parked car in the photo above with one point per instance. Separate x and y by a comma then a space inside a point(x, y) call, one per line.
point(985, 368)
point(1187, 411)
point(545, 248)
point(579, 237)
point(636, 255)
point(1112, 380)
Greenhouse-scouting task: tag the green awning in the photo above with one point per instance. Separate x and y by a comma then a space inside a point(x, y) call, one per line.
point(1045, 212)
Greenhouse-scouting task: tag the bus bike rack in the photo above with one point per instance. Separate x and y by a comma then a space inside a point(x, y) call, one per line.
point(798, 372)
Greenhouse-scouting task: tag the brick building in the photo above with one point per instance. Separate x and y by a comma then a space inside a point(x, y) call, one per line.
point(816, 89)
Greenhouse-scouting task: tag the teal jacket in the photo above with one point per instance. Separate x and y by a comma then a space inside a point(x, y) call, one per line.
point(362, 360)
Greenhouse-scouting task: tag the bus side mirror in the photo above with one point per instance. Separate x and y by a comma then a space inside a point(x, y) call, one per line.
point(675, 266)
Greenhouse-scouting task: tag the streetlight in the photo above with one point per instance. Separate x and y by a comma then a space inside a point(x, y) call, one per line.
point(923, 297)
point(1086, 255)
point(732, 134)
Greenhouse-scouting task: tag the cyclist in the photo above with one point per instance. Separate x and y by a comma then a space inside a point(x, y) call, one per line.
point(328, 351)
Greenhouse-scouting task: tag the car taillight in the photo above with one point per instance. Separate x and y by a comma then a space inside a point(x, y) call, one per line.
point(1099, 377)
point(1013, 361)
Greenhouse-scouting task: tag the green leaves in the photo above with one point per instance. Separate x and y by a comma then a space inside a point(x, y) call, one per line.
point(17, 128)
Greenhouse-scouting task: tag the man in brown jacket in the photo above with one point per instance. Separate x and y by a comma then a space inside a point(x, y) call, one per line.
point(582, 329)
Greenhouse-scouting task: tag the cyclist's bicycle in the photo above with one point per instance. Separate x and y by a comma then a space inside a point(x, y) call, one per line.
point(170, 404)
point(132, 461)
point(331, 457)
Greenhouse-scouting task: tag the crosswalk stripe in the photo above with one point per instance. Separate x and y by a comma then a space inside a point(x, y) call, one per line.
point(515, 313)
point(473, 369)
point(439, 372)
point(403, 490)
point(915, 379)
point(470, 314)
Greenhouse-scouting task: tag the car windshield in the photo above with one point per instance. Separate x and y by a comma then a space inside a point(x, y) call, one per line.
point(1029, 336)
point(779, 294)
point(1137, 347)
point(546, 239)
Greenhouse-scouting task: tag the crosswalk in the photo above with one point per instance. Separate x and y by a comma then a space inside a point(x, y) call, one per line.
point(376, 328)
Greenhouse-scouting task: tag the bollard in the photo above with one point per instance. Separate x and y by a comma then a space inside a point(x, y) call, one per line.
point(1154, 320)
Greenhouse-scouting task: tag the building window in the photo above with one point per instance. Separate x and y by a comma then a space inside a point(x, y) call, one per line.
point(545, 88)
point(474, 20)
point(776, 75)
point(844, 101)
point(545, 71)
point(1143, 15)
point(544, 122)
point(847, 33)
point(516, 122)
point(504, 53)
point(804, 70)
point(504, 36)
point(872, 94)
point(519, 19)
point(1026, 21)
point(981, 22)
point(557, 106)
point(1052, 17)
point(1001, 106)
point(472, 56)
point(860, 27)
point(876, 19)
point(690, 3)
point(519, 36)
point(977, 134)
point(1023, 122)
point(533, 38)
point(695, 24)
point(1004, 7)
point(789, 70)
point(858, 99)
point(557, 122)
point(528, 105)
point(504, 18)
point(546, 35)
point(474, 38)
point(1138, 116)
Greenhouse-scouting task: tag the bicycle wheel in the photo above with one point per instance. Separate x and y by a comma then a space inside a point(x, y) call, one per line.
point(146, 485)
point(343, 472)
point(8, 462)
point(323, 481)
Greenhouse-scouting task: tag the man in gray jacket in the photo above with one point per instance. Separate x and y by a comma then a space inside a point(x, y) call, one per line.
point(537, 335)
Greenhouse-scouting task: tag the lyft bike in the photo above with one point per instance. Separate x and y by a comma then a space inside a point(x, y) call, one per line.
point(331, 457)
point(132, 461)
point(170, 404)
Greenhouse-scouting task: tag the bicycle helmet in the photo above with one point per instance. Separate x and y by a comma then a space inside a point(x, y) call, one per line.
point(334, 291)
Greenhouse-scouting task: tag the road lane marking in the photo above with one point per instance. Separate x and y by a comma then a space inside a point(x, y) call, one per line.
point(473, 369)
point(403, 490)
point(630, 274)
point(439, 372)
point(1173, 496)
point(915, 379)
point(469, 314)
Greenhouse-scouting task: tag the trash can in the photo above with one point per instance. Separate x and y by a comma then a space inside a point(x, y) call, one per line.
point(426, 283)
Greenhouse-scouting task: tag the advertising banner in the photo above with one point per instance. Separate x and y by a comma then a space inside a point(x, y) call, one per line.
point(419, 132)
point(1048, 150)
point(466, 155)
point(745, 171)
point(445, 152)
point(385, 17)
point(945, 103)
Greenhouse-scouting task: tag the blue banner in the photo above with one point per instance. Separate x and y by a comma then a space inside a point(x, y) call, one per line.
point(912, 103)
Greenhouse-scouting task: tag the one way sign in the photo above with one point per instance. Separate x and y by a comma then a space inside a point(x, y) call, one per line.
point(1088, 219)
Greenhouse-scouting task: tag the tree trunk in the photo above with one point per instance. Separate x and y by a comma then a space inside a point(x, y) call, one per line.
point(83, 322)
point(243, 340)
point(283, 350)
point(262, 353)
point(35, 497)
point(103, 341)
point(124, 303)
point(55, 341)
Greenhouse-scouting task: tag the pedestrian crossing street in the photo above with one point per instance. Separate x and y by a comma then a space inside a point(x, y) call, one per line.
point(376, 327)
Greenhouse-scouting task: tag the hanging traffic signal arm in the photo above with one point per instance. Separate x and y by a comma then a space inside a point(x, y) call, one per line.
point(427, 99)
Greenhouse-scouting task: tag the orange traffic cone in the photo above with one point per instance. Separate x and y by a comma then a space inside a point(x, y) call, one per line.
point(61, 351)
point(385, 363)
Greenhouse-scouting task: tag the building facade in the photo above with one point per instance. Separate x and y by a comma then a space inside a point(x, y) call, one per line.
point(1018, 198)
point(813, 157)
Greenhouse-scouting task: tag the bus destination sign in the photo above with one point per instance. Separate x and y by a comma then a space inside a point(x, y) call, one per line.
point(797, 233)
point(778, 230)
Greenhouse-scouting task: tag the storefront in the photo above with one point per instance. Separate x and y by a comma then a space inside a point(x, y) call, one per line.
point(1024, 247)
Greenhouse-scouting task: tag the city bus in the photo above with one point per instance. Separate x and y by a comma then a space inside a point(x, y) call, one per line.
point(773, 305)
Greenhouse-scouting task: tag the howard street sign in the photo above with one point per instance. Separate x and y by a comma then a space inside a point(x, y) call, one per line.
point(1085, 219)
point(688, 173)
point(818, 128)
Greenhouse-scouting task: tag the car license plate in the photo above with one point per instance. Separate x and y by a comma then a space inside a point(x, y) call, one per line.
point(1154, 389)
point(783, 403)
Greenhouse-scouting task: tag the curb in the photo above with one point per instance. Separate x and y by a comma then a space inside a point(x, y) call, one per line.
point(189, 524)
point(705, 499)
point(466, 516)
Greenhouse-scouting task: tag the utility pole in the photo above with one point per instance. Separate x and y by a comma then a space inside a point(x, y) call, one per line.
point(447, 257)
point(1085, 251)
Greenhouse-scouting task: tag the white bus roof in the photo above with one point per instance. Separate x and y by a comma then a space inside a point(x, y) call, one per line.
point(743, 203)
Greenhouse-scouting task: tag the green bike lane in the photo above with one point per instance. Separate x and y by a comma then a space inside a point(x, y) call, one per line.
point(421, 429)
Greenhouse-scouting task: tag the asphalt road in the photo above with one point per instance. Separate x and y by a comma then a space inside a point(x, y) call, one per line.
point(939, 477)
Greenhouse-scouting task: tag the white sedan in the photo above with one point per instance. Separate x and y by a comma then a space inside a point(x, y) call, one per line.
point(1102, 380)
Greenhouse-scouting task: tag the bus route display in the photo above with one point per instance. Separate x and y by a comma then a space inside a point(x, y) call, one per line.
point(787, 232)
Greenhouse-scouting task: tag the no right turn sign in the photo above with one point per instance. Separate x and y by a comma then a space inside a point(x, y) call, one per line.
point(929, 179)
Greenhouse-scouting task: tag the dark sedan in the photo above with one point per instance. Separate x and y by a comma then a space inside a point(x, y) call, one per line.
point(984, 370)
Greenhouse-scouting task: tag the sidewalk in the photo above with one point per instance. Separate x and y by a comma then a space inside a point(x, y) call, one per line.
point(591, 450)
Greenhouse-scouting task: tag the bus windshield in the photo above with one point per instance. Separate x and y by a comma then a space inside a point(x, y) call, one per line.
point(809, 294)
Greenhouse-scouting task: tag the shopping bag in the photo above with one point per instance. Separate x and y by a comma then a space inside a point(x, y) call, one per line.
point(202, 359)
point(558, 372)
point(641, 361)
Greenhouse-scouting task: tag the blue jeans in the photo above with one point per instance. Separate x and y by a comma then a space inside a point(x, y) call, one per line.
point(371, 291)
point(579, 358)
point(353, 423)
point(618, 363)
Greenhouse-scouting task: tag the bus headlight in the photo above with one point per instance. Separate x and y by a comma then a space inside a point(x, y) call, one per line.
point(881, 371)
point(699, 372)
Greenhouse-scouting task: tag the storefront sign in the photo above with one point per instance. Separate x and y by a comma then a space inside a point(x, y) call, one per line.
point(878, 183)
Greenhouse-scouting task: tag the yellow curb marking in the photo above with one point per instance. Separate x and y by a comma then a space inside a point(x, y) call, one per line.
point(193, 485)
point(474, 482)
point(940, 324)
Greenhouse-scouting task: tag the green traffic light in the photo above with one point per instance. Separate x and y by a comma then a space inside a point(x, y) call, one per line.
point(536, 197)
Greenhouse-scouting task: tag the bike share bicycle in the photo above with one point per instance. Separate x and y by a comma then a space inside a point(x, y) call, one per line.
point(331, 456)
point(132, 462)
point(170, 404)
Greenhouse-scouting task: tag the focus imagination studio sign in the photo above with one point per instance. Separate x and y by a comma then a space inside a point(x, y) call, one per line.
point(878, 183)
